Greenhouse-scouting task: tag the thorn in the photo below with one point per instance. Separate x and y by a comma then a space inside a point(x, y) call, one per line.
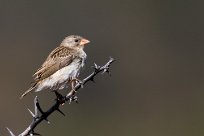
point(96, 67)
point(58, 95)
point(70, 100)
point(38, 106)
point(60, 98)
point(11, 133)
point(104, 71)
point(35, 106)
point(82, 84)
point(48, 122)
point(77, 102)
point(111, 59)
point(60, 111)
point(36, 134)
point(92, 79)
point(107, 71)
point(32, 114)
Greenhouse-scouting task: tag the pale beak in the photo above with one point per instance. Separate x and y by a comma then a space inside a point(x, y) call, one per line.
point(84, 41)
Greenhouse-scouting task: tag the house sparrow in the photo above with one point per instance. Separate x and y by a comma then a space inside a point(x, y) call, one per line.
point(62, 66)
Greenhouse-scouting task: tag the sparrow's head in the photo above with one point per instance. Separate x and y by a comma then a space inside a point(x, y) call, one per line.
point(74, 41)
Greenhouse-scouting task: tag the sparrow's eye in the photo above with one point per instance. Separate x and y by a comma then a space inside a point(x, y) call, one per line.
point(76, 40)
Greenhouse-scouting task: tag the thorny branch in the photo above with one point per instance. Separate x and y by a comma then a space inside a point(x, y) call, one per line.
point(43, 115)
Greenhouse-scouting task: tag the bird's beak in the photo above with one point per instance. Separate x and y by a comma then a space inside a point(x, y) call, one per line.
point(84, 41)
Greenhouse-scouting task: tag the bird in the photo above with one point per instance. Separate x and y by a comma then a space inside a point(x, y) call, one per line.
point(62, 66)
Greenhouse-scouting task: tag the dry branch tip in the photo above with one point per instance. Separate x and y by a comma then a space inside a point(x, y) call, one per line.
point(10, 132)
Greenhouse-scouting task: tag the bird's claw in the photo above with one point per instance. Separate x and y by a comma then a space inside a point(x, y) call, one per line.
point(73, 98)
point(76, 80)
point(81, 83)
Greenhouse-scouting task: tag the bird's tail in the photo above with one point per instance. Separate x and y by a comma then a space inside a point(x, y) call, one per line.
point(28, 91)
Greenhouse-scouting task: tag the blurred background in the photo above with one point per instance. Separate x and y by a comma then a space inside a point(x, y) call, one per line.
point(157, 82)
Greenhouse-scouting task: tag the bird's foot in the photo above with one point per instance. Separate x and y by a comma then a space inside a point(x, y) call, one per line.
point(73, 98)
point(76, 80)
point(81, 83)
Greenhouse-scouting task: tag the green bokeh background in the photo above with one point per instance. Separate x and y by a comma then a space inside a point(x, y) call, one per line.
point(156, 87)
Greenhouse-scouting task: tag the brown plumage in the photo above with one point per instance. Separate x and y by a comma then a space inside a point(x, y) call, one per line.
point(58, 58)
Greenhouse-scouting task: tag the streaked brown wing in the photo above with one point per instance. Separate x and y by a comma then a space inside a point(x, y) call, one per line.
point(57, 59)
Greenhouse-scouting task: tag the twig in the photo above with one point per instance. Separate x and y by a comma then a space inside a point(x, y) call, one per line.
point(10, 132)
point(59, 101)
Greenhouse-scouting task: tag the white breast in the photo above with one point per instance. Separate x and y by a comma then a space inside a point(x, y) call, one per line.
point(59, 80)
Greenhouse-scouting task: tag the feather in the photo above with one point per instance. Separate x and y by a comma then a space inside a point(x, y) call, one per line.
point(28, 91)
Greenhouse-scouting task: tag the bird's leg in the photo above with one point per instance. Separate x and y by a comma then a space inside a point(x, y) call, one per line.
point(71, 94)
point(78, 81)
point(73, 83)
